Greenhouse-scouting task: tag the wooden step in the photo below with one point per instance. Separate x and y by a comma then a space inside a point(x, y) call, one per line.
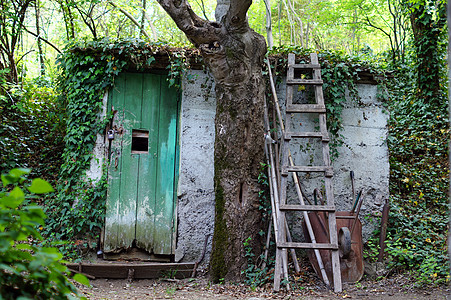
point(328, 170)
point(297, 207)
point(325, 246)
point(305, 66)
point(118, 270)
point(298, 81)
point(306, 108)
point(291, 135)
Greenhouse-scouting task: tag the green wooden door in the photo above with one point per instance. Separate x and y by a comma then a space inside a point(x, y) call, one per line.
point(143, 169)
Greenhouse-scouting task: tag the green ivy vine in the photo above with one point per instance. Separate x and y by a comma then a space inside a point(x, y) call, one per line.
point(87, 71)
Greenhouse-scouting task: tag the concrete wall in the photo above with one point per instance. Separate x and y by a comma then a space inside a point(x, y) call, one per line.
point(195, 207)
point(365, 152)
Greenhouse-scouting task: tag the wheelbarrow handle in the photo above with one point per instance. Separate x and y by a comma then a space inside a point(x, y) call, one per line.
point(356, 201)
point(351, 174)
point(358, 211)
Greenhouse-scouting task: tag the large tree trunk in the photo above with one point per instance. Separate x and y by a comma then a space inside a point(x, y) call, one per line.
point(234, 54)
point(427, 27)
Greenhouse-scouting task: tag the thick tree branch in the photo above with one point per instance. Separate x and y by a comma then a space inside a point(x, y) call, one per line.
point(198, 30)
point(42, 39)
point(236, 16)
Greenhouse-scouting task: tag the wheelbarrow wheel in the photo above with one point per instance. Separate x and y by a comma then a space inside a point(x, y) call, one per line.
point(344, 241)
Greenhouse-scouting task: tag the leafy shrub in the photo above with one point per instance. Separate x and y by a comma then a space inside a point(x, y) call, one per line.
point(28, 271)
point(256, 275)
point(419, 181)
point(31, 128)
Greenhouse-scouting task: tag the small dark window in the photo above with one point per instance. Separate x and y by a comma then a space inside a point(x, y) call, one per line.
point(140, 141)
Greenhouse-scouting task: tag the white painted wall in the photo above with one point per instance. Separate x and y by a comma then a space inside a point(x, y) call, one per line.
point(195, 207)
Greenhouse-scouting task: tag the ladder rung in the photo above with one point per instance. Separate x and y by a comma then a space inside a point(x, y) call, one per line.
point(306, 108)
point(305, 66)
point(326, 246)
point(291, 207)
point(290, 135)
point(296, 81)
point(327, 170)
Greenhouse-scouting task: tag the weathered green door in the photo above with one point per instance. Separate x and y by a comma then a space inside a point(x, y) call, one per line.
point(143, 168)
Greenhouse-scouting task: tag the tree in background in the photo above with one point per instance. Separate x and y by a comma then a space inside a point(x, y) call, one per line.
point(428, 20)
point(11, 23)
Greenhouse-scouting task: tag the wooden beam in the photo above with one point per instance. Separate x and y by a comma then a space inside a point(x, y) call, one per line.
point(141, 271)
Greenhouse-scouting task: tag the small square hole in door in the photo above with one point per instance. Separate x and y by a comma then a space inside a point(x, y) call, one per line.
point(140, 141)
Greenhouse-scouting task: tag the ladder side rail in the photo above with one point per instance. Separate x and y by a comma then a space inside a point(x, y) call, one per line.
point(290, 76)
point(333, 237)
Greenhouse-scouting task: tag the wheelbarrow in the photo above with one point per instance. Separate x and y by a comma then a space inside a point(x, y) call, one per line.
point(349, 229)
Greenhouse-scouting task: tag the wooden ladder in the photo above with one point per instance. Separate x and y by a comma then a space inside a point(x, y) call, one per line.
point(288, 167)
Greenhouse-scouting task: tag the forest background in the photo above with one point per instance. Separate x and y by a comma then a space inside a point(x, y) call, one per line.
point(404, 39)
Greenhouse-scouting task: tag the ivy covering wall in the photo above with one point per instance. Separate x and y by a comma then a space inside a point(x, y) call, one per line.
point(88, 70)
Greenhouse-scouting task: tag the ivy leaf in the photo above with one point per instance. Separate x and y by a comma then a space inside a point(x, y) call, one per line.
point(81, 279)
point(14, 199)
point(19, 172)
point(40, 186)
point(150, 60)
point(7, 179)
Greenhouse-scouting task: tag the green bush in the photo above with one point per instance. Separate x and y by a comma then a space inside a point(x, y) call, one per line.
point(31, 128)
point(28, 271)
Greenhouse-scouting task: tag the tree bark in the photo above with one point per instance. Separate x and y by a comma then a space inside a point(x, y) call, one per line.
point(427, 30)
point(234, 54)
point(269, 24)
point(143, 19)
point(11, 23)
point(39, 42)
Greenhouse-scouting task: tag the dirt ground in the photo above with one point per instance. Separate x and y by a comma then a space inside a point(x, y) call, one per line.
point(399, 287)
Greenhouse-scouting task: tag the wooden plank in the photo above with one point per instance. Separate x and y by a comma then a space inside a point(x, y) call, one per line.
point(116, 102)
point(298, 81)
point(141, 271)
point(306, 108)
point(325, 246)
point(317, 76)
point(294, 207)
point(290, 76)
point(166, 170)
point(291, 61)
point(291, 135)
point(305, 66)
point(335, 253)
point(130, 162)
point(307, 169)
point(145, 216)
point(140, 133)
point(345, 217)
